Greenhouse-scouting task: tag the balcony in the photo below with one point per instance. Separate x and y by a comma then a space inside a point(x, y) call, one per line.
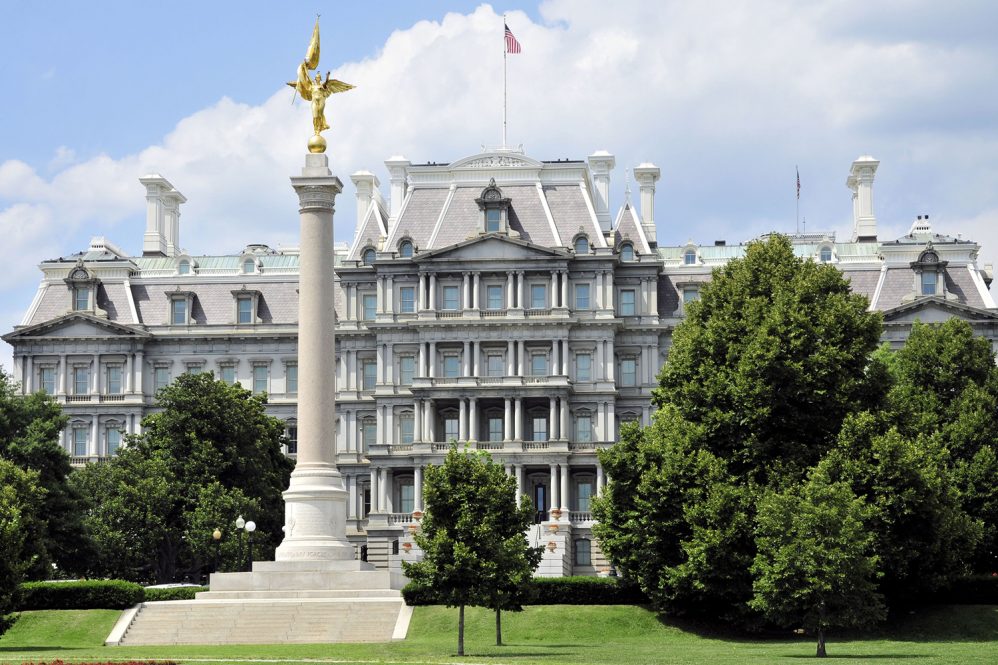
point(550, 381)
point(77, 399)
point(119, 397)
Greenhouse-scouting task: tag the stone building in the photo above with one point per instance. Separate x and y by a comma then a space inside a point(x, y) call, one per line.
point(496, 300)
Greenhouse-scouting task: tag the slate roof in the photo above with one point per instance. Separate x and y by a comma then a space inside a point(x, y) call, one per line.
point(418, 217)
point(628, 227)
point(569, 210)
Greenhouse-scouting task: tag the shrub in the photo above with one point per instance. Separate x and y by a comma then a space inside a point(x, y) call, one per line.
point(976, 590)
point(82, 595)
point(556, 591)
point(173, 593)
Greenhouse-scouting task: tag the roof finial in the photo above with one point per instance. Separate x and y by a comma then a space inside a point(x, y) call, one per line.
point(627, 186)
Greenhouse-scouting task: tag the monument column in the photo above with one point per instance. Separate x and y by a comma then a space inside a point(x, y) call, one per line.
point(315, 501)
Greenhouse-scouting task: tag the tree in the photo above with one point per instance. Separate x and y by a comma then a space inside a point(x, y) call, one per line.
point(21, 500)
point(770, 360)
point(29, 437)
point(815, 564)
point(210, 454)
point(473, 538)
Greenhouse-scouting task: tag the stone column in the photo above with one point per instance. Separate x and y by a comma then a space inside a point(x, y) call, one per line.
point(417, 488)
point(466, 359)
point(609, 290)
point(518, 471)
point(520, 289)
point(384, 488)
point(315, 501)
point(552, 418)
point(422, 292)
point(29, 384)
point(554, 289)
point(599, 290)
point(389, 292)
point(564, 288)
point(510, 366)
point(599, 479)
point(522, 360)
point(64, 371)
point(555, 358)
point(93, 446)
point(127, 387)
point(564, 490)
point(462, 420)
point(507, 428)
point(518, 419)
point(375, 490)
point(465, 290)
point(473, 424)
point(433, 291)
point(565, 427)
point(555, 488)
point(476, 292)
point(417, 421)
point(611, 361)
point(509, 290)
point(611, 421)
point(432, 360)
point(94, 380)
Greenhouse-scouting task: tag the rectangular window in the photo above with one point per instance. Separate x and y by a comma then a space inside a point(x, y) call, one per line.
point(407, 299)
point(495, 428)
point(406, 423)
point(583, 367)
point(407, 370)
point(80, 441)
point(584, 428)
point(370, 369)
point(369, 432)
point(81, 298)
point(452, 366)
point(583, 553)
point(291, 379)
point(496, 365)
point(538, 296)
point(407, 497)
point(113, 380)
point(244, 305)
point(581, 296)
point(928, 283)
point(493, 296)
point(161, 378)
point(539, 428)
point(451, 430)
point(584, 495)
point(178, 311)
point(492, 219)
point(627, 302)
point(46, 379)
point(195, 368)
point(691, 294)
point(113, 440)
point(228, 374)
point(451, 297)
point(370, 303)
point(538, 364)
point(292, 435)
point(81, 380)
point(628, 372)
point(260, 375)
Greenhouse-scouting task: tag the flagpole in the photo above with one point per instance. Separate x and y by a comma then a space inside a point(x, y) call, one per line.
point(797, 169)
point(504, 49)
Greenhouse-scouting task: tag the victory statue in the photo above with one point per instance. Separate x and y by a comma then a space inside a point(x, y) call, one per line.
point(316, 91)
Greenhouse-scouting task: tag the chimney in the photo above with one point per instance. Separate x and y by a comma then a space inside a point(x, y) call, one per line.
point(397, 167)
point(367, 185)
point(601, 163)
point(860, 181)
point(647, 175)
point(162, 236)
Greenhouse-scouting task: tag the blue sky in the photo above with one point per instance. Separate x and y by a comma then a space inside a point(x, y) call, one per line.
point(726, 97)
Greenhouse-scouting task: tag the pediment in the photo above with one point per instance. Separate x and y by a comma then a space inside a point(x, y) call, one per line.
point(491, 247)
point(493, 160)
point(936, 310)
point(75, 325)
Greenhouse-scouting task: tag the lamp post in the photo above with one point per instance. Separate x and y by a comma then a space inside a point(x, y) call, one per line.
point(240, 524)
point(217, 537)
point(250, 528)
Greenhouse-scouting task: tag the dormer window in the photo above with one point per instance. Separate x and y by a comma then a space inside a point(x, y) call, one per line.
point(930, 274)
point(246, 303)
point(627, 252)
point(690, 257)
point(405, 249)
point(582, 245)
point(249, 266)
point(181, 304)
point(83, 287)
point(184, 267)
point(495, 209)
point(368, 256)
point(825, 255)
point(81, 298)
point(929, 280)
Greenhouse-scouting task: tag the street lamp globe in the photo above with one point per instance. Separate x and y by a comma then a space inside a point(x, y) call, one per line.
point(216, 534)
point(251, 526)
point(240, 522)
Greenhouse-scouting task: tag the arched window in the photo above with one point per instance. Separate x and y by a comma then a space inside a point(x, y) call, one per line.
point(184, 267)
point(405, 249)
point(826, 254)
point(582, 245)
point(368, 256)
point(690, 257)
point(627, 252)
point(248, 266)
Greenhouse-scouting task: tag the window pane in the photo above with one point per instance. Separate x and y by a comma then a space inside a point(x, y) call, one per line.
point(583, 553)
point(260, 374)
point(584, 429)
point(81, 381)
point(584, 493)
point(245, 306)
point(179, 311)
point(405, 249)
point(689, 295)
point(369, 432)
point(184, 268)
point(113, 441)
point(492, 217)
point(538, 296)
point(451, 429)
point(407, 370)
point(628, 372)
point(928, 283)
point(370, 374)
point(583, 367)
point(248, 265)
point(406, 497)
point(82, 298)
point(370, 303)
point(826, 255)
point(114, 380)
point(369, 256)
point(690, 257)
point(496, 365)
point(407, 299)
point(293, 439)
point(80, 441)
point(495, 428)
point(539, 364)
point(627, 302)
point(162, 378)
point(450, 297)
point(581, 296)
point(228, 373)
point(494, 296)
point(292, 379)
point(47, 380)
point(452, 366)
point(582, 245)
point(540, 428)
point(626, 252)
point(406, 423)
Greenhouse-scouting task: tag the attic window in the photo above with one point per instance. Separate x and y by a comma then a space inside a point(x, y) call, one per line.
point(690, 257)
point(248, 266)
point(627, 252)
point(582, 245)
point(81, 298)
point(929, 280)
point(184, 267)
point(368, 256)
point(405, 249)
point(83, 288)
point(929, 273)
point(495, 209)
point(825, 255)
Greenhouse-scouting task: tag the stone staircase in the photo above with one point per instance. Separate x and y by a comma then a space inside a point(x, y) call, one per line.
point(282, 602)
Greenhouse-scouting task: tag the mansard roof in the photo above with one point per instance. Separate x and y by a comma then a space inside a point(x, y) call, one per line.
point(627, 227)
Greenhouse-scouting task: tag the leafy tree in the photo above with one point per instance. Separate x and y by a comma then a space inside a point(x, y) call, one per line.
point(770, 360)
point(21, 500)
point(475, 551)
point(211, 450)
point(815, 564)
point(29, 437)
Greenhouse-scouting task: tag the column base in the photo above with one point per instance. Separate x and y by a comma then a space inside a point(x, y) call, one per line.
point(315, 516)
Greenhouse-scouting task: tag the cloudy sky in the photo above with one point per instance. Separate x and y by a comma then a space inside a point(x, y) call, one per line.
point(726, 97)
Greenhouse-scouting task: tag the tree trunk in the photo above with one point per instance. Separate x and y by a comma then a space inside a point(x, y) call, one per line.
point(460, 631)
point(821, 643)
point(498, 627)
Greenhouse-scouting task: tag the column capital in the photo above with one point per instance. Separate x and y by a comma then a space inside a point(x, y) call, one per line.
point(317, 193)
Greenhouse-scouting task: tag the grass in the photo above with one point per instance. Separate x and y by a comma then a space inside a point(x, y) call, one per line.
point(614, 635)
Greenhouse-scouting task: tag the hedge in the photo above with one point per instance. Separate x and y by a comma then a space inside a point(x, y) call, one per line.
point(174, 593)
point(81, 595)
point(556, 591)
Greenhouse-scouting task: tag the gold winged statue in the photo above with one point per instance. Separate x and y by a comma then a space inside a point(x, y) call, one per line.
point(316, 91)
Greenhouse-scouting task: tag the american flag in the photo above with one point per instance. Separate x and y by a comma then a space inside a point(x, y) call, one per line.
point(512, 46)
point(798, 183)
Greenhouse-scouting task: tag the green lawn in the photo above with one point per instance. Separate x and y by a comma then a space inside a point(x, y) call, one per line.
point(553, 634)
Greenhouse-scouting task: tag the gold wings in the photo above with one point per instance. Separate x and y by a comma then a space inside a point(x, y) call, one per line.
point(335, 85)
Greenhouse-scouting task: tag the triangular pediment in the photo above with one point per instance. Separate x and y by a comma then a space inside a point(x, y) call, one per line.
point(75, 325)
point(492, 247)
point(936, 310)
